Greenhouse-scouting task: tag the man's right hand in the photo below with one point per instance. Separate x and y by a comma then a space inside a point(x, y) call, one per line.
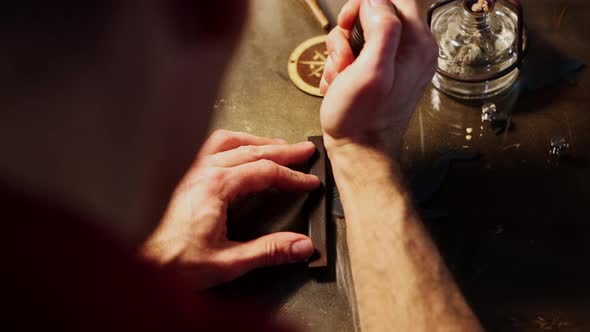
point(379, 89)
point(400, 280)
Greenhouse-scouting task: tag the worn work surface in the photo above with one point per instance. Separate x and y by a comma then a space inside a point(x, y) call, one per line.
point(513, 229)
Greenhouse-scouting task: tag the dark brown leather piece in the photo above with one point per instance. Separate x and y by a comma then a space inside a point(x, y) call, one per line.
point(319, 205)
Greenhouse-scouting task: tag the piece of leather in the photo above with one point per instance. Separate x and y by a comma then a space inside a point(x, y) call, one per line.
point(318, 205)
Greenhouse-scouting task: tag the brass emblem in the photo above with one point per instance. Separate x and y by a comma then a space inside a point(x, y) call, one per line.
point(306, 65)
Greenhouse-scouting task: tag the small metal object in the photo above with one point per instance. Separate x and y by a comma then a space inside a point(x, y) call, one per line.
point(488, 112)
point(357, 38)
point(500, 122)
point(559, 147)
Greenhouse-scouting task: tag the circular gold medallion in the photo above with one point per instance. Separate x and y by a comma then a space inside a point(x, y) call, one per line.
point(306, 65)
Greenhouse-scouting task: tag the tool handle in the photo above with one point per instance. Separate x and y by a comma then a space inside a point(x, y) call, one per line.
point(357, 38)
point(318, 13)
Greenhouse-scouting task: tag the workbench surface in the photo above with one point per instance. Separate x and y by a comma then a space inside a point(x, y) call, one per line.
point(514, 229)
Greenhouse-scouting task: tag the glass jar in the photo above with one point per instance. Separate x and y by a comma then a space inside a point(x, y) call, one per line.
point(480, 49)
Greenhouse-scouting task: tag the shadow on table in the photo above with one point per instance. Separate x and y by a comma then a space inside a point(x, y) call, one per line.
point(263, 214)
point(256, 216)
point(517, 242)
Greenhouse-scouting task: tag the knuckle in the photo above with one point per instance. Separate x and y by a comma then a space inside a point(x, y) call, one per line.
point(209, 180)
point(267, 166)
point(270, 250)
point(206, 212)
point(294, 175)
point(254, 152)
point(274, 255)
point(389, 25)
point(215, 175)
point(336, 40)
point(332, 39)
point(244, 150)
point(393, 26)
point(212, 180)
point(221, 135)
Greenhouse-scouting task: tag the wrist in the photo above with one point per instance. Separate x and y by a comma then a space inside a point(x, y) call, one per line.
point(367, 178)
point(335, 145)
point(360, 162)
point(386, 140)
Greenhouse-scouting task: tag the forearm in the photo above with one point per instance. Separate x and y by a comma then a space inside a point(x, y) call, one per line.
point(400, 280)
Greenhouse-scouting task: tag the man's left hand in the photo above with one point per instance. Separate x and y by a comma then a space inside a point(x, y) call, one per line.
point(193, 233)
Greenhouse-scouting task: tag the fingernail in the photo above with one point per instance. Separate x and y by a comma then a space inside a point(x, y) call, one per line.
point(308, 144)
point(380, 2)
point(316, 181)
point(301, 249)
point(329, 62)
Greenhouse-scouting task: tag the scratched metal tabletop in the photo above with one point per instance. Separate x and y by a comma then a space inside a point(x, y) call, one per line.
point(513, 227)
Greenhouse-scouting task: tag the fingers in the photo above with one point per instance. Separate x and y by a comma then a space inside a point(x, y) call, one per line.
point(280, 154)
point(224, 140)
point(340, 56)
point(269, 250)
point(408, 9)
point(416, 29)
point(382, 31)
point(264, 174)
point(340, 53)
point(253, 167)
point(348, 14)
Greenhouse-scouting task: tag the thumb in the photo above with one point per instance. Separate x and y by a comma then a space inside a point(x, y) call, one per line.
point(269, 250)
point(382, 32)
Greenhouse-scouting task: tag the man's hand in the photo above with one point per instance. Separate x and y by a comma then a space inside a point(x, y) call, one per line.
point(379, 89)
point(192, 235)
point(400, 280)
